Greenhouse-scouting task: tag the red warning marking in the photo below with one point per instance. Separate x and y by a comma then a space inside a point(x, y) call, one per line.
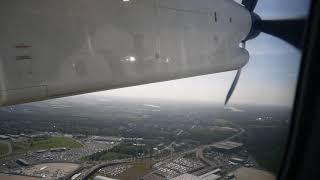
point(23, 46)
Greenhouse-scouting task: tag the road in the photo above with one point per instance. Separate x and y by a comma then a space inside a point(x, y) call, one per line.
point(199, 151)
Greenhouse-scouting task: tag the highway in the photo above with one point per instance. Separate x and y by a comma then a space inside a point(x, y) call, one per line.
point(199, 150)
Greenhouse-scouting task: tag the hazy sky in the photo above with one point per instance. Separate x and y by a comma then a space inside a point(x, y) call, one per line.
point(268, 78)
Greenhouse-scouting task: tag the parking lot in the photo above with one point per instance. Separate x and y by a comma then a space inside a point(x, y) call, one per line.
point(50, 170)
point(175, 167)
point(90, 146)
point(113, 170)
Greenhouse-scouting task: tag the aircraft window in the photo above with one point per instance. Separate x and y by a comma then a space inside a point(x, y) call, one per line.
point(208, 102)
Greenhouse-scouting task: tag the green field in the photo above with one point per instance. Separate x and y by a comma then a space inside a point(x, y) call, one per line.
point(138, 170)
point(3, 148)
point(105, 156)
point(21, 146)
point(51, 142)
point(54, 142)
point(208, 136)
point(112, 156)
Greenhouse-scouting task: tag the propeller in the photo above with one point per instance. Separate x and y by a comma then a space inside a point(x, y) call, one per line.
point(233, 86)
point(289, 30)
point(249, 4)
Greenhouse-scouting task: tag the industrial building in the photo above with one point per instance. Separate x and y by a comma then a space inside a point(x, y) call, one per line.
point(107, 138)
point(227, 147)
point(41, 151)
point(102, 178)
point(186, 177)
point(211, 175)
point(22, 162)
point(59, 149)
point(207, 176)
point(237, 160)
point(4, 137)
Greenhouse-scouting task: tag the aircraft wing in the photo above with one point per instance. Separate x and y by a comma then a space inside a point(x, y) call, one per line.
point(52, 48)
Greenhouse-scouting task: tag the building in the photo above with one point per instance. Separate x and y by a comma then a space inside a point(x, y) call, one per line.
point(141, 145)
point(13, 135)
point(132, 139)
point(4, 137)
point(60, 149)
point(107, 138)
point(230, 176)
point(79, 136)
point(212, 175)
point(227, 147)
point(41, 151)
point(207, 176)
point(186, 176)
point(39, 136)
point(237, 160)
point(215, 171)
point(22, 162)
point(102, 178)
point(248, 165)
point(25, 135)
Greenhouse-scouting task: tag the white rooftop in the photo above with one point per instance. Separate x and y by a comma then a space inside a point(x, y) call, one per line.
point(187, 176)
point(102, 178)
point(210, 177)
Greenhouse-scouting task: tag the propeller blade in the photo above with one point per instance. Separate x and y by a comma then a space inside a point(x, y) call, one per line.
point(250, 4)
point(233, 86)
point(289, 30)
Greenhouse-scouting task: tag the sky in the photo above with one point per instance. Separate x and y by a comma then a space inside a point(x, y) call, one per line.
point(269, 78)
